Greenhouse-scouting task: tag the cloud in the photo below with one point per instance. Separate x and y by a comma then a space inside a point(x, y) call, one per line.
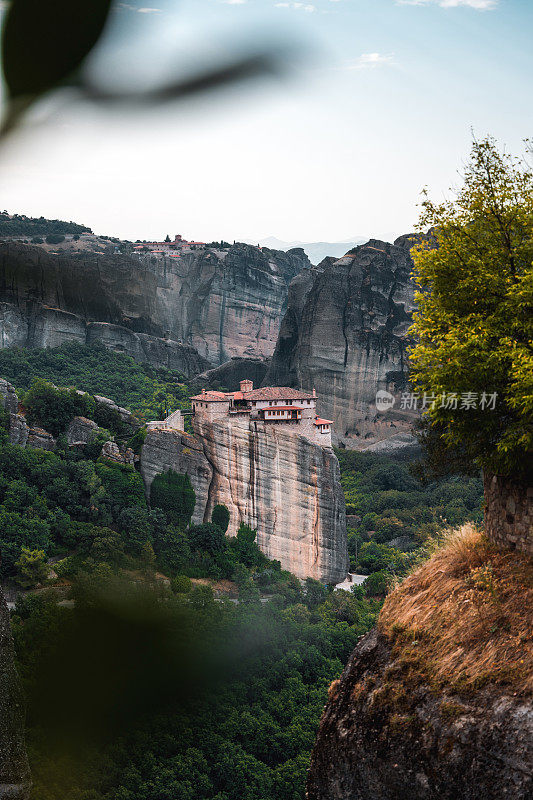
point(297, 6)
point(478, 5)
point(144, 10)
point(234, 2)
point(371, 61)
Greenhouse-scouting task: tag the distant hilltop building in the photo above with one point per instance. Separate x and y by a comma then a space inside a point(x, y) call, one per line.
point(172, 249)
point(277, 405)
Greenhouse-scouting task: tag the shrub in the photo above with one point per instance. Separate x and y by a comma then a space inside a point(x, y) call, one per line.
point(181, 584)
point(207, 538)
point(31, 568)
point(52, 408)
point(55, 238)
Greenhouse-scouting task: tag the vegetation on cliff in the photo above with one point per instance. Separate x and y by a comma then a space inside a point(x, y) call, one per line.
point(393, 509)
point(142, 685)
point(464, 619)
point(21, 225)
point(148, 392)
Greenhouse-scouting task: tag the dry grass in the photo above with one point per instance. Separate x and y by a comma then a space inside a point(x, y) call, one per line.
point(464, 619)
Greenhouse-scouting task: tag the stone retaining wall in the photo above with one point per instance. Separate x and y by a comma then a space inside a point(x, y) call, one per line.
point(509, 513)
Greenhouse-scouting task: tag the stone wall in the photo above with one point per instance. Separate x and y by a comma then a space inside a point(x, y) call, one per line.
point(509, 513)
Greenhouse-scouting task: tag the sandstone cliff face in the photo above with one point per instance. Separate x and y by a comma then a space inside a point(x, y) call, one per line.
point(278, 482)
point(436, 747)
point(14, 770)
point(345, 334)
point(186, 313)
point(231, 373)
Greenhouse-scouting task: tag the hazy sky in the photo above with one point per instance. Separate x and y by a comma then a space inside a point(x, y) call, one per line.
point(381, 104)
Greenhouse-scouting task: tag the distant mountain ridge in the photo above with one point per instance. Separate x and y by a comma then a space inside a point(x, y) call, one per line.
point(315, 251)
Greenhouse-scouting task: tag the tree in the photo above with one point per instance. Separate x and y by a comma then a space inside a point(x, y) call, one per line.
point(207, 538)
point(167, 238)
point(220, 517)
point(31, 568)
point(173, 493)
point(246, 548)
point(474, 323)
point(377, 584)
point(53, 408)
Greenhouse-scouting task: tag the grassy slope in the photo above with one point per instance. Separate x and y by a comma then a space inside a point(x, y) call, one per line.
point(464, 619)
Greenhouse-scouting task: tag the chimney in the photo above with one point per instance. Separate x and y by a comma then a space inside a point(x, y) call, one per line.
point(246, 386)
point(314, 392)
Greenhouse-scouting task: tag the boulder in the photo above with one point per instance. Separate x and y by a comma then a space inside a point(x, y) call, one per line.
point(120, 454)
point(433, 746)
point(40, 439)
point(81, 431)
point(18, 430)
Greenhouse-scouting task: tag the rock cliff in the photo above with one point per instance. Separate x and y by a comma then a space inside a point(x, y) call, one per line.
point(431, 747)
point(14, 770)
point(185, 313)
point(345, 334)
point(278, 482)
point(435, 703)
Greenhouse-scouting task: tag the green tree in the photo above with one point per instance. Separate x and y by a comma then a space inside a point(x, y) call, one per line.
point(474, 323)
point(123, 486)
point(220, 517)
point(377, 584)
point(246, 548)
point(53, 408)
point(173, 493)
point(207, 538)
point(31, 568)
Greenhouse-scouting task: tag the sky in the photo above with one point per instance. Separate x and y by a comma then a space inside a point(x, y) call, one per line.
point(379, 99)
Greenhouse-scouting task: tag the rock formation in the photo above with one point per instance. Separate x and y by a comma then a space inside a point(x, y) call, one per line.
point(79, 432)
point(345, 334)
point(229, 374)
point(435, 703)
point(434, 747)
point(14, 770)
point(278, 482)
point(185, 313)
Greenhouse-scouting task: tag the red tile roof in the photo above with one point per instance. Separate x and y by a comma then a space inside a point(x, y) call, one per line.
point(278, 393)
point(212, 397)
point(319, 421)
